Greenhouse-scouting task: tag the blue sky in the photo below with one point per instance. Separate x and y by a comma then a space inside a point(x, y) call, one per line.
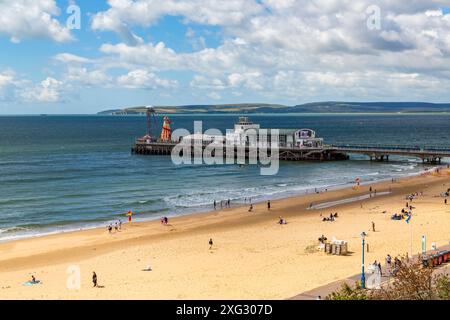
point(177, 52)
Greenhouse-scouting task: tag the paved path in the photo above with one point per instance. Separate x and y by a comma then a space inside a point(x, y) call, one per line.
point(325, 290)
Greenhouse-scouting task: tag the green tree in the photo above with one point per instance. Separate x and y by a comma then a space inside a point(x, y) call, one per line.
point(347, 292)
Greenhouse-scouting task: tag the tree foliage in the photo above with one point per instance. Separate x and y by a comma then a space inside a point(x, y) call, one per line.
point(412, 281)
point(347, 292)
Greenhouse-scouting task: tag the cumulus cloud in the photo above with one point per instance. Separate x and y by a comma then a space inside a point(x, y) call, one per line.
point(307, 49)
point(125, 13)
point(8, 85)
point(89, 78)
point(48, 90)
point(279, 49)
point(23, 19)
point(142, 79)
point(16, 89)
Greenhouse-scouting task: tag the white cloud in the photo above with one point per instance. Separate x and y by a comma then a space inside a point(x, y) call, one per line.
point(125, 13)
point(48, 90)
point(71, 58)
point(142, 79)
point(154, 56)
point(207, 83)
point(214, 95)
point(23, 19)
point(8, 83)
point(6, 78)
point(83, 76)
point(276, 49)
point(15, 89)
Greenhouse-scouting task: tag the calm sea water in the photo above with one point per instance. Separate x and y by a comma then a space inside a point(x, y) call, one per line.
point(61, 173)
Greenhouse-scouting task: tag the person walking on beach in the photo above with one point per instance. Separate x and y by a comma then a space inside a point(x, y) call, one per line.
point(215, 204)
point(210, 243)
point(94, 279)
point(445, 201)
point(268, 205)
point(251, 208)
point(109, 228)
point(229, 203)
point(388, 262)
point(373, 226)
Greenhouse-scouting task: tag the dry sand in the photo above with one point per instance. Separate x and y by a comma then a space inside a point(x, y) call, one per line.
point(253, 257)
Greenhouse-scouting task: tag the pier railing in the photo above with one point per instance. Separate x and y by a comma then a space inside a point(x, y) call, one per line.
point(431, 154)
point(412, 149)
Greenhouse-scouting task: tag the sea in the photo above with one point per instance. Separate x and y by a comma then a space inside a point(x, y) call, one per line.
point(64, 173)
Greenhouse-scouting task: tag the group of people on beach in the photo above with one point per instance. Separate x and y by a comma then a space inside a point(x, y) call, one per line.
point(332, 217)
point(407, 211)
point(391, 266)
point(269, 206)
point(116, 225)
point(223, 203)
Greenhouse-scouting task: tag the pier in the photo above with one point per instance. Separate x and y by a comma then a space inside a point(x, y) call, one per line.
point(248, 140)
point(428, 154)
point(432, 155)
point(284, 153)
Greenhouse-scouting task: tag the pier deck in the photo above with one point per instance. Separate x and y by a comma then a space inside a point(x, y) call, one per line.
point(382, 153)
point(326, 153)
point(288, 154)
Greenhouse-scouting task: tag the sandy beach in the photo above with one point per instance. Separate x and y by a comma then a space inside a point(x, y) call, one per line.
point(253, 257)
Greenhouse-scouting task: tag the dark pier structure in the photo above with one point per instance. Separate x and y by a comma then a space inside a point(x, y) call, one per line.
point(287, 154)
point(432, 155)
point(293, 145)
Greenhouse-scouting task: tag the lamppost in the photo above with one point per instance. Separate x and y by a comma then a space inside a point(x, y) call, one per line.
point(363, 276)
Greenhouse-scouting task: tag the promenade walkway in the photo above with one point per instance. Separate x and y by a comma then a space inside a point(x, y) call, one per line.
point(325, 290)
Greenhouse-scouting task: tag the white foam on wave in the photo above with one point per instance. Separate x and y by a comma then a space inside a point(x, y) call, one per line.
point(201, 200)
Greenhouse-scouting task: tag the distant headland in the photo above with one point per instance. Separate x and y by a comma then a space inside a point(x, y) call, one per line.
point(315, 107)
